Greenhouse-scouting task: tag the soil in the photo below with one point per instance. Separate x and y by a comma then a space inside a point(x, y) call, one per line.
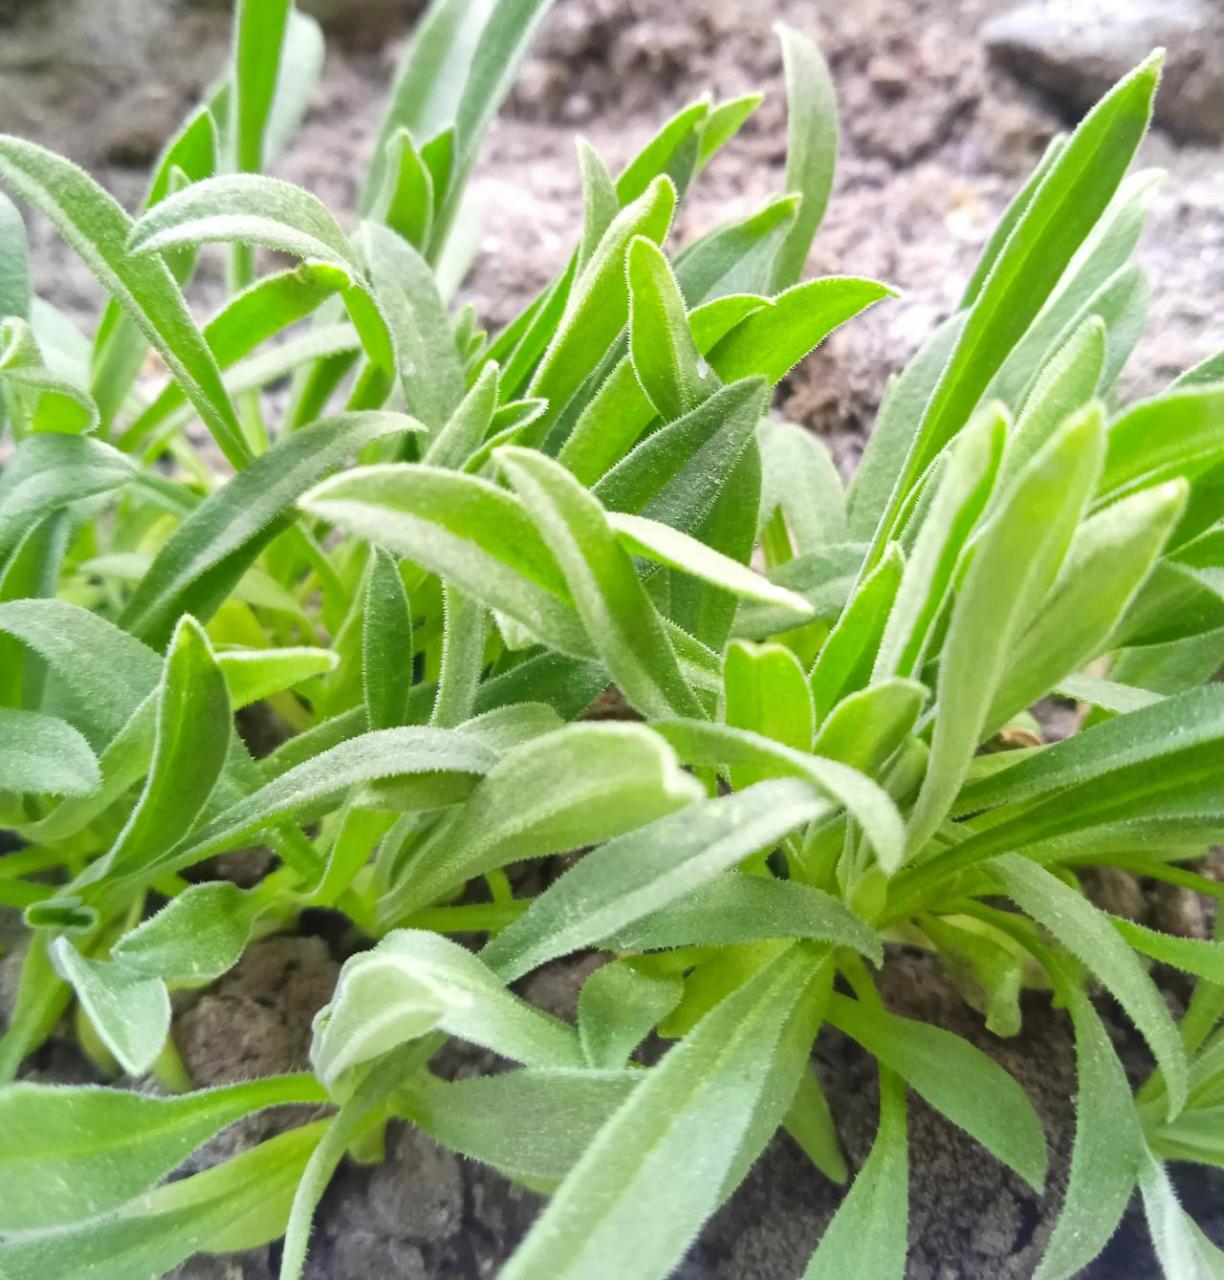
point(935, 139)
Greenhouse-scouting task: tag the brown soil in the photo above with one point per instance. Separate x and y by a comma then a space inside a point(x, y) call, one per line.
point(934, 142)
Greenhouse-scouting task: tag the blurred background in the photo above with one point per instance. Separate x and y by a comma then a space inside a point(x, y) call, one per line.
point(945, 105)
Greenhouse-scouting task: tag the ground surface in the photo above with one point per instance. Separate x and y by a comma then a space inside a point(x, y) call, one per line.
point(934, 142)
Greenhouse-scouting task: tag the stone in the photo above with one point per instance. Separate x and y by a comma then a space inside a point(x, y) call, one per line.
point(418, 1190)
point(1076, 51)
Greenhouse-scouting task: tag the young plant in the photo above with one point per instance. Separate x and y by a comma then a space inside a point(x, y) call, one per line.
point(834, 756)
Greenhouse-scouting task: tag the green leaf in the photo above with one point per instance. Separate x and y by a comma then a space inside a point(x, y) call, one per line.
point(468, 425)
point(1177, 434)
point(14, 257)
point(905, 400)
point(972, 1090)
point(74, 1152)
point(259, 35)
point(1089, 936)
point(251, 209)
point(533, 1124)
point(491, 73)
point(846, 658)
point(246, 208)
point(1068, 382)
point(39, 398)
point(412, 982)
point(738, 257)
point(676, 474)
point(672, 151)
point(1007, 223)
point(1183, 1250)
point(665, 357)
point(97, 229)
point(199, 564)
point(1169, 745)
point(1017, 557)
point(988, 974)
point(800, 479)
point(771, 341)
point(598, 304)
point(700, 743)
point(191, 739)
point(42, 755)
point(664, 545)
point(131, 1013)
point(766, 690)
point(1075, 191)
point(824, 578)
point(1083, 289)
point(462, 660)
point(464, 529)
point(1109, 560)
point(580, 785)
point(613, 888)
point(386, 644)
point(254, 674)
point(193, 939)
point(106, 672)
point(964, 487)
point(212, 1211)
point(618, 1007)
point(635, 1199)
point(407, 201)
point(405, 288)
point(1203, 958)
point(320, 783)
point(865, 728)
point(868, 1234)
point(49, 471)
point(271, 305)
point(600, 203)
point(619, 619)
point(811, 147)
point(1105, 1154)
point(735, 908)
point(301, 61)
point(810, 1123)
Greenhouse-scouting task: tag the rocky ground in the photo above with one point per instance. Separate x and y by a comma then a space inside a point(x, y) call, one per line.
point(946, 104)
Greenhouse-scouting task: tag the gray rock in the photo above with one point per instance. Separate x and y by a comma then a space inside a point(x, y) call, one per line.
point(1076, 51)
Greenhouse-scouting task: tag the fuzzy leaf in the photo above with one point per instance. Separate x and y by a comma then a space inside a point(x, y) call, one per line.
point(42, 755)
point(664, 355)
point(613, 888)
point(386, 644)
point(619, 619)
point(634, 1200)
point(811, 147)
point(49, 471)
point(412, 982)
point(1088, 935)
point(618, 1007)
point(193, 939)
point(969, 1088)
point(97, 229)
point(533, 1124)
point(1015, 561)
point(212, 1211)
point(868, 1232)
point(212, 548)
point(579, 785)
point(131, 1013)
point(464, 529)
point(74, 1152)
